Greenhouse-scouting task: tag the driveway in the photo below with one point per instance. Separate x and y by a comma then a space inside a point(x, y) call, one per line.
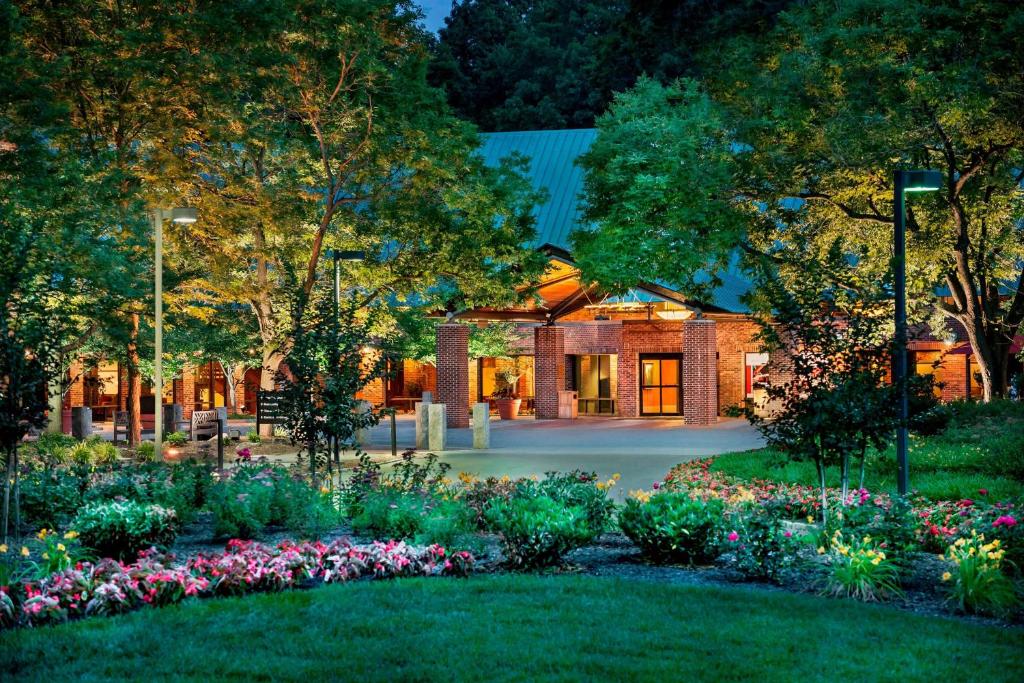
point(641, 451)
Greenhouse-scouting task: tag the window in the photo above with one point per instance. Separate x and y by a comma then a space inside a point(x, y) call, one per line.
point(661, 386)
point(755, 372)
point(595, 377)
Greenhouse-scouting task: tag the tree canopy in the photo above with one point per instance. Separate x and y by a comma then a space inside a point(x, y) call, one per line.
point(799, 135)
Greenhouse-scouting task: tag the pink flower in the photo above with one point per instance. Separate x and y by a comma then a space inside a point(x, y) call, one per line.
point(1004, 520)
point(788, 534)
point(733, 537)
point(982, 492)
point(656, 485)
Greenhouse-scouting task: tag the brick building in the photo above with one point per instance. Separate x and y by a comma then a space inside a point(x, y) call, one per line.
point(651, 352)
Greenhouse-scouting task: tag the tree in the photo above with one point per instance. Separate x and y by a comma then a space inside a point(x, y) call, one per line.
point(529, 64)
point(818, 116)
point(330, 361)
point(828, 398)
point(322, 132)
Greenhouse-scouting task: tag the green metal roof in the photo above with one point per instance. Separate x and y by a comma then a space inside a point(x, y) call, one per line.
point(553, 168)
point(553, 155)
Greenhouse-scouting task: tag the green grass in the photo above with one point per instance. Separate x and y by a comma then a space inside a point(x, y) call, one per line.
point(517, 628)
point(983, 448)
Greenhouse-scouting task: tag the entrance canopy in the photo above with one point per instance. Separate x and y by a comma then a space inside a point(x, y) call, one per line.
point(561, 292)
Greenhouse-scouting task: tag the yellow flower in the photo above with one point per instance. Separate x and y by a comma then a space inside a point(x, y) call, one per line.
point(810, 520)
point(60, 547)
point(71, 535)
point(821, 550)
point(876, 561)
point(46, 556)
point(995, 543)
point(600, 486)
point(24, 551)
point(946, 576)
point(3, 547)
point(616, 476)
point(42, 534)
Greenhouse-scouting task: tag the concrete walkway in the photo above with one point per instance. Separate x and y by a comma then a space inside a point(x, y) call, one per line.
point(641, 451)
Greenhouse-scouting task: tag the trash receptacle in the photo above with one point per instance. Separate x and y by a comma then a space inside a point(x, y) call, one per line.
point(81, 422)
point(568, 405)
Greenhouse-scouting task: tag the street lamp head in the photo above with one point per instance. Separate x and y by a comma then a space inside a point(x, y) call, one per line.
point(184, 214)
point(348, 255)
point(921, 181)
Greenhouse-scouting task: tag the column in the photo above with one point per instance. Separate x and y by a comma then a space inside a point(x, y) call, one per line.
point(453, 372)
point(700, 372)
point(549, 370)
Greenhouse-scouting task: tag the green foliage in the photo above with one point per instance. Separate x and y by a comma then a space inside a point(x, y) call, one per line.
point(176, 438)
point(515, 65)
point(673, 527)
point(642, 194)
point(422, 518)
point(182, 487)
point(146, 451)
point(257, 496)
point(977, 581)
point(51, 497)
point(763, 545)
point(537, 531)
point(893, 525)
point(122, 529)
point(859, 568)
point(574, 489)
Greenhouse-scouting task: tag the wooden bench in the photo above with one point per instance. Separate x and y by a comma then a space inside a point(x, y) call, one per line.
point(204, 423)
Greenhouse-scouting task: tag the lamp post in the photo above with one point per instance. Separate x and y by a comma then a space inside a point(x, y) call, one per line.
point(183, 215)
point(338, 256)
point(903, 182)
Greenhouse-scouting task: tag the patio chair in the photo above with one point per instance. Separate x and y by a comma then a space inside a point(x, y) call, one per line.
point(204, 423)
point(121, 424)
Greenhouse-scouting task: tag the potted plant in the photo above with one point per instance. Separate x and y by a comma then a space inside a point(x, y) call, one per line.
point(506, 395)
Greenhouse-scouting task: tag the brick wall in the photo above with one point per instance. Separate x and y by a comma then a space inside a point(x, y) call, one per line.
point(735, 339)
point(642, 336)
point(549, 370)
point(453, 372)
point(602, 336)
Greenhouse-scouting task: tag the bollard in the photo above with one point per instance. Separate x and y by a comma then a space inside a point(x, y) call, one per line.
point(427, 397)
point(363, 435)
point(394, 436)
point(438, 427)
point(422, 424)
point(481, 426)
point(220, 444)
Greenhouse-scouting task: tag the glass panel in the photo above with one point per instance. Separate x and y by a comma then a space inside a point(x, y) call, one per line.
point(652, 377)
point(613, 377)
point(669, 372)
point(652, 400)
point(670, 400)
point(589, 382)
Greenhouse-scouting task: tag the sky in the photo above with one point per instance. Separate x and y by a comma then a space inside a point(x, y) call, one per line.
point(436, 11)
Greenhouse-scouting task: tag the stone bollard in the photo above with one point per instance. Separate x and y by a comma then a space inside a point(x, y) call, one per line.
point(363, 435)
point(422, 424)
point(481, 426)
point(427, 397)
point(81, 422)
point(438, 425)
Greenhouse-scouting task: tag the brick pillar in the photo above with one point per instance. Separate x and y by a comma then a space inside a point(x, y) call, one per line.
point(453, 372)
point(700, 372)
point(76, 395)
point(549, 369)
point(188, 391)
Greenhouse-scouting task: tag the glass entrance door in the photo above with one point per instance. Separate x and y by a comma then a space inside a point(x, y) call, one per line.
point(661, 384)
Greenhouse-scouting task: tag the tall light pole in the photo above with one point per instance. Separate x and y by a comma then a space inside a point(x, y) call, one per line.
point(338, 256)
point(183, 215)
point(903, 182)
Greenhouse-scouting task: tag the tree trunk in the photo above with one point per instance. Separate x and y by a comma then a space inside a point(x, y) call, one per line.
point(863, 464)
point(134, 385)
point(845, 485)
point(820, 464)
point(230, 383)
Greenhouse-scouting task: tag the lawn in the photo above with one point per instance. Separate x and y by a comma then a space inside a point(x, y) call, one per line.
point(982, 449)
point(511, 627)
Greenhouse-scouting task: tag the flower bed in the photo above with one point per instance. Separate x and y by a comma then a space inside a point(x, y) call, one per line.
point(111, 587)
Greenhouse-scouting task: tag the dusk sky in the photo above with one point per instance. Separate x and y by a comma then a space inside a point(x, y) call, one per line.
point(436, 11)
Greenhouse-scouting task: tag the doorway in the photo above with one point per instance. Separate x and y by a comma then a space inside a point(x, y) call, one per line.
point(661, 384)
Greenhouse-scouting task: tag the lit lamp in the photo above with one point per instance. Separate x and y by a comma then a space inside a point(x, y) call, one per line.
point(904, 181)
point(182, 215)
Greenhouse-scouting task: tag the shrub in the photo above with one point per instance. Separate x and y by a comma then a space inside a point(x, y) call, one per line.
point(421, 517)
point(978, 582)
point(477, 494)
point(176, 438)
point(122, 529)
point(51, 497)
point(254, 437)
point(673, 527)
point(255, 496)
point(146, 451)
point(860, 569)
point(763, 545)
point(537, 531)
point(52, 448)
point(576, 488)
point(889, 520)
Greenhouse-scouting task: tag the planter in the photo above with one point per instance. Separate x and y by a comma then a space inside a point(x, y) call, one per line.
point(508, 408)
